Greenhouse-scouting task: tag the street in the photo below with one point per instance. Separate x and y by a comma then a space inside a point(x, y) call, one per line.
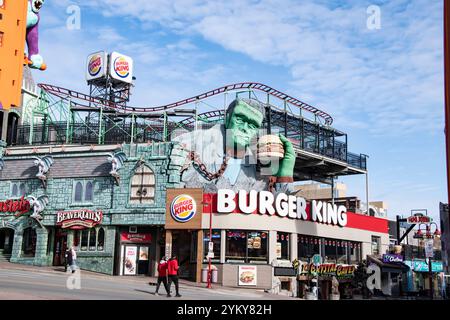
point(35, 283)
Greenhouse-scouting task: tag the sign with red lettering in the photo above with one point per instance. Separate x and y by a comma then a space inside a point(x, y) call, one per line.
point(17, 207)
point(419, 219)
point(78, 219)
point(127, 237)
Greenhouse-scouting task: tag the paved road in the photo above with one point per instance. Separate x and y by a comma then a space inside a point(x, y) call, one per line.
point(36, 283)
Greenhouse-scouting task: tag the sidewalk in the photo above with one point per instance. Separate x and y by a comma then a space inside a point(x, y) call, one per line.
point(53, 270)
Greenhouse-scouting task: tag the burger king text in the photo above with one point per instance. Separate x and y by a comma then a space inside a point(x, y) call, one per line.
point(265, 202)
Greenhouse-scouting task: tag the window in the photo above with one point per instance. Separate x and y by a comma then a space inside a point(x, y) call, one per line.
point(354, 252)
point(83, 192)
point(308, 247)
point(257, 247)
point(376, 245)
point(84, 240)
point(29, 242)
point(246, 246)
point(216, 239)
point(101, 240)
point(18, 189)
point(329, 255)
point(283, 245)
point(143, 186)
point(341, 252)
point(78, 192)
point(92, 239)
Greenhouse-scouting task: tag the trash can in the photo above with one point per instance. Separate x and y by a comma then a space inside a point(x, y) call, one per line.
point(204, 275)
point(214, 275)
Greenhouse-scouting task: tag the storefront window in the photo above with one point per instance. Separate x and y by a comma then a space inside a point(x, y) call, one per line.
point(29, 242)
point(354, 251)
point(246, 246)
point(341, 250)
point(283, 245)
point(329, 255)
point(307, 247)
point(101, 239)
point(216, 248)
point(92, 239)
point(257, 247)
point(236, 246)
point(84, 240)
point(376, 241)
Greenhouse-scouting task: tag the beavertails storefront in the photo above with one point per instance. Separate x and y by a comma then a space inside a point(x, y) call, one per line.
point(256, 236)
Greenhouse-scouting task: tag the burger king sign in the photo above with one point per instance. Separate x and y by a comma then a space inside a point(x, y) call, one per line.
point(121, 67)
point(96, 66)
point(183, 208)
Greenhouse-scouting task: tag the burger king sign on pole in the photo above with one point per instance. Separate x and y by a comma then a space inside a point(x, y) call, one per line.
point(96, 65)
point(121, 67)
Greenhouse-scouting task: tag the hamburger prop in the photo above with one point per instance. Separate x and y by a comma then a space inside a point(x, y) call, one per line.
point(270, 148)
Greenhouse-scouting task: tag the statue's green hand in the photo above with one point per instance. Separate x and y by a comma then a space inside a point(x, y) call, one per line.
point(288, 162)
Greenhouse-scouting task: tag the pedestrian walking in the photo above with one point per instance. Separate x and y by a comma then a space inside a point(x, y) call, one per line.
point(67, 259)
point(162, 276)
point(172, 270)
point(73, 264)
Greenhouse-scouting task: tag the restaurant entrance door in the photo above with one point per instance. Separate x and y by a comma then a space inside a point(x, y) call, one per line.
point(184, 247)
point(60, 247)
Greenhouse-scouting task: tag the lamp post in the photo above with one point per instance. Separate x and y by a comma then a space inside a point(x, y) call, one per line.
point(428, 255)
point(209, 286)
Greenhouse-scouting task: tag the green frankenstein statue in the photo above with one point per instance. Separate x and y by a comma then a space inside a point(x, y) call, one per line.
point(226, 156)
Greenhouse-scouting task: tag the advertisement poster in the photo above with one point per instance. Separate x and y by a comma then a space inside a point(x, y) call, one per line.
point(143, 254)
point(247, 275)
point(130, 261)
point(278, 250)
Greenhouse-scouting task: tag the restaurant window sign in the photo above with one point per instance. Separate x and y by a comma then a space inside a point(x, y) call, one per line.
point(126, 237)
point(282, 205)
point(78, 219)
point(328, 270)
point(17, 207)
point(422, 266)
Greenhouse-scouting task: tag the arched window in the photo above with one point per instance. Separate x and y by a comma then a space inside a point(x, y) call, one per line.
point(84, 240)
point(143, 186)
point(92, 239)
point(22, 190)
point(101, 240)
point(89, 192)
point(15, 190)
point(29, 242)
point(78, 197)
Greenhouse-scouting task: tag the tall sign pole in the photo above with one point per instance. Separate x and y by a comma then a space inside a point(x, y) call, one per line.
point(447, 88)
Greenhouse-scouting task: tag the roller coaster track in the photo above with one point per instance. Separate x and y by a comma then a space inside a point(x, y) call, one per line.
point(84, 101)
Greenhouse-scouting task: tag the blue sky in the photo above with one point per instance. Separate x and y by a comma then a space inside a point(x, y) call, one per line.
point(383, 87)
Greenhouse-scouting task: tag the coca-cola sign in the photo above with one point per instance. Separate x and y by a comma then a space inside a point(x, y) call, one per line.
point(79, 219)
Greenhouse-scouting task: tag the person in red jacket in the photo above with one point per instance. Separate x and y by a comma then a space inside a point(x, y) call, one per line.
point(173, 275)
point(162, 275)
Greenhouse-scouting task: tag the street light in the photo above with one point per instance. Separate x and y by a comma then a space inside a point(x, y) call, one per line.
point(429, 235)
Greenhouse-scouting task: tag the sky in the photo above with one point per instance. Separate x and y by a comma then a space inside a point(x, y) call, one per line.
point(383, 86)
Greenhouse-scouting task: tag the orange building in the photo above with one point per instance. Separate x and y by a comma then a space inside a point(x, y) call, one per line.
point(13, 14)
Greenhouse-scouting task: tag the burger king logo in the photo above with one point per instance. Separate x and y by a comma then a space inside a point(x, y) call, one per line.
point(122, 67)
point(183, 208)
point(95, 65)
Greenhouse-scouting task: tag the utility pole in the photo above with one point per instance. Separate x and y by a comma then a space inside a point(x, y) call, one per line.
point(447, 89)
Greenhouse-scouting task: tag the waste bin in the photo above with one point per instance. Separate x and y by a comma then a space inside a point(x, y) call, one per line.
point(214, 275)
point(204, 275)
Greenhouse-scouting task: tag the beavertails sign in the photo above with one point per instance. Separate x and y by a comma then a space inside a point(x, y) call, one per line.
point(79, 219)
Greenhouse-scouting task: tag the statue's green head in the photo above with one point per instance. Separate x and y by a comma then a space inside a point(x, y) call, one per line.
point(244, 118)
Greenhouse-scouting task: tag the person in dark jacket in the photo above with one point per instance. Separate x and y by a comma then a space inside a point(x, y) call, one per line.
point(67, 259)
point(162, 276)
point(172, 270)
